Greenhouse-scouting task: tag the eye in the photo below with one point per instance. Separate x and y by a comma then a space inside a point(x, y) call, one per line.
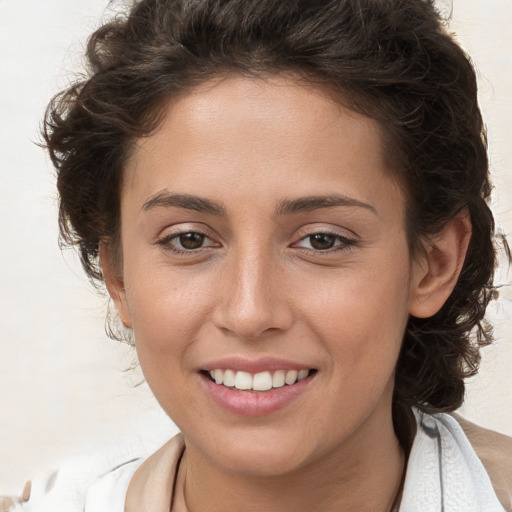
point(190, 240)
point(186, 241)
point(324, 242)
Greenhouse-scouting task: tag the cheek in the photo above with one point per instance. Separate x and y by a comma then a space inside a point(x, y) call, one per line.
point(362, 318)
point(167, 320)
point(167, 312)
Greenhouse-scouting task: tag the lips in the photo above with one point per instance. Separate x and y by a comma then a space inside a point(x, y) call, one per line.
point(255, 388)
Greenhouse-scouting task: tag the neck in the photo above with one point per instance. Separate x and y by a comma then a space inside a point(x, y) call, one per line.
point(364, 473)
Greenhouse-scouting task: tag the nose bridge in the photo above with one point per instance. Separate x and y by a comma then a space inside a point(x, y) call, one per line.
point(254, 270)
point(253, 301)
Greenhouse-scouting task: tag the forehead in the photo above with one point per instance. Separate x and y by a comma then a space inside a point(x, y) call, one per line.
point(277, 136)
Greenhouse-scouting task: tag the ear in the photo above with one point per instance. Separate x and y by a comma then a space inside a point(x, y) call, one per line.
point(436, 272)
point(114, 283)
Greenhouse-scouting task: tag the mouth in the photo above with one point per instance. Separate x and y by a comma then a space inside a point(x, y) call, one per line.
point(256, 394)
point(258, 382)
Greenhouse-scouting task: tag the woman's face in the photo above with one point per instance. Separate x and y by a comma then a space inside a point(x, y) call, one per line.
point(263, 234)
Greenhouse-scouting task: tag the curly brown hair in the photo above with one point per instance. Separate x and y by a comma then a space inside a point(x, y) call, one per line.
point(392, 60)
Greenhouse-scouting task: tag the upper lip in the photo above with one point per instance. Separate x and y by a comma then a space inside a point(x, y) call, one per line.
point(261, 364)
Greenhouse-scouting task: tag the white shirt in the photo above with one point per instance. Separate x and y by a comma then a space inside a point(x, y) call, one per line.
point(444, 474)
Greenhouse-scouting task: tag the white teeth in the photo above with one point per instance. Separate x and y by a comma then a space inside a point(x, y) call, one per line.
point(262, 381)
point(291, 377)
point(229, 378)
point(243, 380)
point(219, 376)
point(302, 375)
point(278, 379)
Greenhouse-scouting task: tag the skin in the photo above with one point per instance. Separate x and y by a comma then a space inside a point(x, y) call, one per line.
point(258, 287)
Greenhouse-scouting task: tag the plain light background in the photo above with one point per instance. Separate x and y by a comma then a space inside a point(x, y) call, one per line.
point(63, 388)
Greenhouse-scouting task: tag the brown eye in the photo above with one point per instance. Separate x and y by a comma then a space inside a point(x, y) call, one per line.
point(187, 242)
point(191, 240)
point(322, 241)
point(325, 242)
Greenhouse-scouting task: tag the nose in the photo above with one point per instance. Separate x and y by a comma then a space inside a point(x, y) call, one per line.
point(253, 298)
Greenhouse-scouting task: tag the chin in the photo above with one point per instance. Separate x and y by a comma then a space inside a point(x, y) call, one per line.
point(261, 461)
point(261, 452)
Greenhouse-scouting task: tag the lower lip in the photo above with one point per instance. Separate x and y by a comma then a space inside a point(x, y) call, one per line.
point(254, 403)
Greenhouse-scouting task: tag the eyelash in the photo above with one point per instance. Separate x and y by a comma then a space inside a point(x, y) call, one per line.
point(343, 243)
point(165, 242)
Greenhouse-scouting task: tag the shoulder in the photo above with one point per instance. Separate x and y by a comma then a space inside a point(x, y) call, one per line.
point(92, 483)
point(495, 452)
point(444, 468)
point(149, 488)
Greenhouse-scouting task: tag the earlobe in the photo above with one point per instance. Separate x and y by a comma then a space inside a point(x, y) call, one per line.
point(436, 272)
point(114, 283)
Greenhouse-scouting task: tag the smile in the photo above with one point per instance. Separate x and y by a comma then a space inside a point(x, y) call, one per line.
point(262, 381)
point(245, 393)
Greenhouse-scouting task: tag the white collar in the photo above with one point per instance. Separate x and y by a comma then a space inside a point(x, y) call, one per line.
point(444, 474)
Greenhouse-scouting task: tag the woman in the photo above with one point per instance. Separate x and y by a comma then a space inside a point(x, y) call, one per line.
point(287, 202)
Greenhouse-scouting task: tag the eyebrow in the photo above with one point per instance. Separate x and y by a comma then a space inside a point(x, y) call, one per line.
point(187, 201)
point(309, 203)
point(285, 207)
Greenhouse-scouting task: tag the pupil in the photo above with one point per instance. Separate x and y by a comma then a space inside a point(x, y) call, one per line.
point(322, 241)
point(191, 240)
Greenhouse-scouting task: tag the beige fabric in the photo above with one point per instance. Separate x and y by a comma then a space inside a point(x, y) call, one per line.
point(153, 484)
